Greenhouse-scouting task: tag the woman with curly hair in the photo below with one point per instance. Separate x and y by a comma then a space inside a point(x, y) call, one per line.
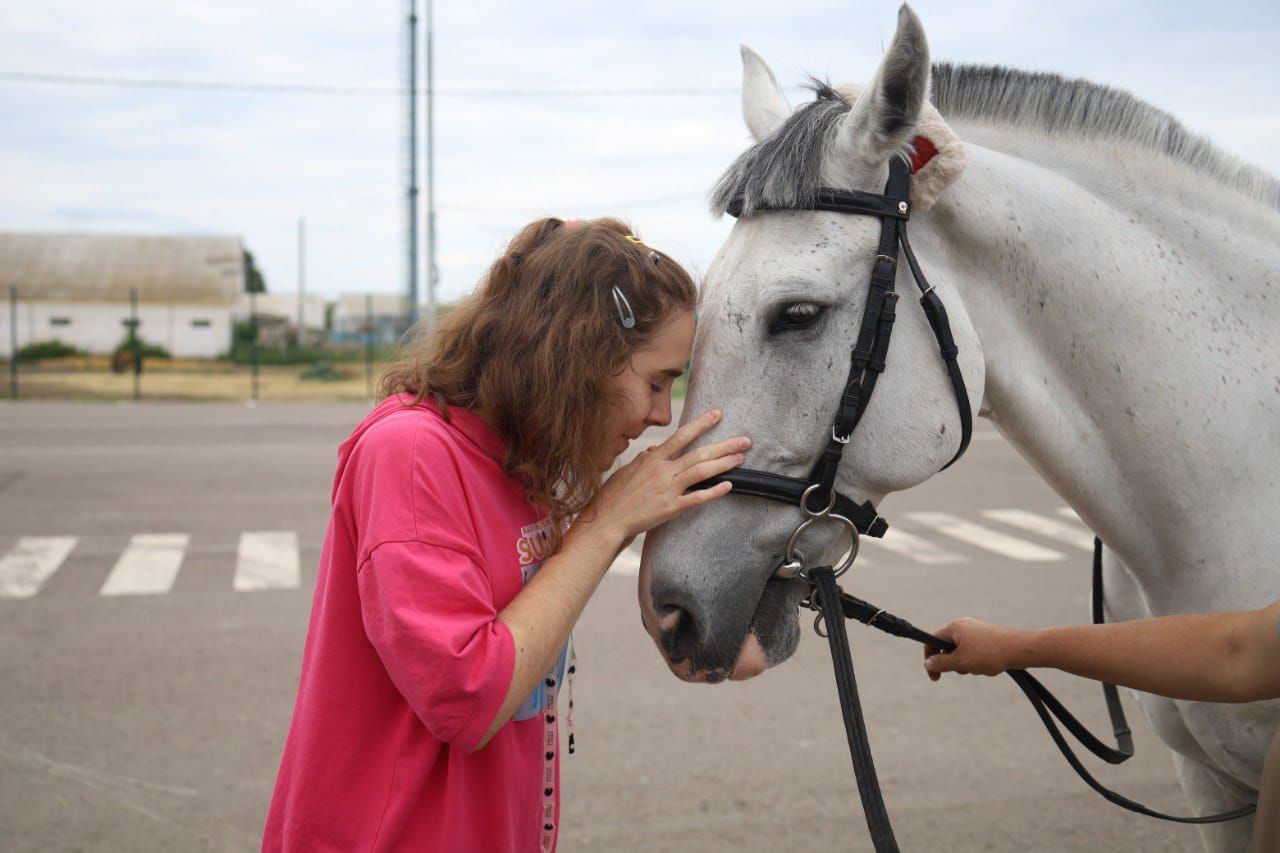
point(470, 526)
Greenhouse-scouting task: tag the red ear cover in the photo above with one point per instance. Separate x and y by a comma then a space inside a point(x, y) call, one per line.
point(924, 151)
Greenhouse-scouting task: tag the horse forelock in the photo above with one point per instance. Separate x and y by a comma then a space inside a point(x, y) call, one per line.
point(784, 169)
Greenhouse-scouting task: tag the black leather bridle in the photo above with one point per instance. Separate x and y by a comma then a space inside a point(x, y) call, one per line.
point(867, 361)
point(818, 498)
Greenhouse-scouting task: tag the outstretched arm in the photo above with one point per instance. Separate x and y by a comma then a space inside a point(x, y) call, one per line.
point(1215, 657)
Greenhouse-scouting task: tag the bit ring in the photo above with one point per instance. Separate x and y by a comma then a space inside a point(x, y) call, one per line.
point(845, 564)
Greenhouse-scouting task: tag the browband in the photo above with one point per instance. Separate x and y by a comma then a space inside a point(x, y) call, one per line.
point(838, 201)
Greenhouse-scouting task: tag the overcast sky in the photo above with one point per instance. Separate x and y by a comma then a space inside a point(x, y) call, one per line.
point(117, 159)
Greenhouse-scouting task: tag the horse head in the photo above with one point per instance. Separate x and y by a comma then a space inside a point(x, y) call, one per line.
point(779, 312)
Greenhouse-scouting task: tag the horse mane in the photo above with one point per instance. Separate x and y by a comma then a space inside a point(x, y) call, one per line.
point(784, 169)
point(1061, 105)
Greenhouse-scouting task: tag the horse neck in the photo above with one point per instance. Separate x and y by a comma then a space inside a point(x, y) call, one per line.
point(1119, 360)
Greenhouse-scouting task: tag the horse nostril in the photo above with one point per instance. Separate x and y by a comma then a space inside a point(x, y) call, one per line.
point(668, 615)
point(678, 631)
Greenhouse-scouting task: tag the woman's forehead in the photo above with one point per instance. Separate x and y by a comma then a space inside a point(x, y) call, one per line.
point(670, 342)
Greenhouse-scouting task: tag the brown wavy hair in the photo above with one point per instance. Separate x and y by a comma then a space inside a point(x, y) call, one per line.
point(536, 345)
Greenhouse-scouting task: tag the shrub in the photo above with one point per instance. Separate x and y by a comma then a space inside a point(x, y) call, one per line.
point(41, 350)
point(242, 353)
point(285, 356)
point(145, 349)
point(323, 371)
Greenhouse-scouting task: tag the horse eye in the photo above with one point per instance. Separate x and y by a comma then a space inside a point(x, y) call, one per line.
point(796, 316)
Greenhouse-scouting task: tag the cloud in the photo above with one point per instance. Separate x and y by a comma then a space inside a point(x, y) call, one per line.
point(234, 163)
point(108, 214)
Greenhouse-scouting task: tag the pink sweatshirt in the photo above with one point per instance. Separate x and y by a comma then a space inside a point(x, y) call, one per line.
point(406, 663)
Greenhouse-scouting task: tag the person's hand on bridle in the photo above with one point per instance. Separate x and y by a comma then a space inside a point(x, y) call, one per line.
point(653, 487)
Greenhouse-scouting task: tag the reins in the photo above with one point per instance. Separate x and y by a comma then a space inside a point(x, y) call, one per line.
point(835, 606)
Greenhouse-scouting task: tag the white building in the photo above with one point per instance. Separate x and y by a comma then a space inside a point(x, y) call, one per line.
point(355, 313)
point(285, 306)
point(76, 287)
point(282, 308)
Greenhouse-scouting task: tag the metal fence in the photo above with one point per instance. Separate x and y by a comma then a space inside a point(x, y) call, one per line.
point(265, 359)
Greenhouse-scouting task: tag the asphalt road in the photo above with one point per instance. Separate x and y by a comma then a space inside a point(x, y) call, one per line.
point(153, 718)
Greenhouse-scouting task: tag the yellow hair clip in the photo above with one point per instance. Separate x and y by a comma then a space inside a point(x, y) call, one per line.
point(653, 255)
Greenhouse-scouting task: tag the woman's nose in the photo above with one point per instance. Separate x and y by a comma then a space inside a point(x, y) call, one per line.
point(660, 414)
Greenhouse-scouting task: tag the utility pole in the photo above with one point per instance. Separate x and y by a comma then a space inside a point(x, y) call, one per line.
point(411, 315)
point(253, 345)
point(13, 341)
point(136, 341)
point(302, 279)
point(432, 269)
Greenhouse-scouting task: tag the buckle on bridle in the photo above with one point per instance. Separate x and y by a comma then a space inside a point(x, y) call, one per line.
point(840, 439)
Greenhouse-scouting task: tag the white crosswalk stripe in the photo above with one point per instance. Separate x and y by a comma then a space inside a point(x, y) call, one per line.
point(1050, 528)
point(149, 566)
point(862, 561)
point(1068, 512)
point(627, 565)
point(914, 547)
point(31, 562)
point(267, 559)
point(986, 538)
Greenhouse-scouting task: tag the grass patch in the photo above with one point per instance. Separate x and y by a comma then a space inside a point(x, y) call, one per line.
point(219, 381)
point(323, 371)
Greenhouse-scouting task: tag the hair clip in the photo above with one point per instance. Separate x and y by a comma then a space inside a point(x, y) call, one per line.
point(625, 315)
point(653, 255)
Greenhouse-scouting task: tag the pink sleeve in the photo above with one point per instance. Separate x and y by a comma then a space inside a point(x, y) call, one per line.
point(429, 612)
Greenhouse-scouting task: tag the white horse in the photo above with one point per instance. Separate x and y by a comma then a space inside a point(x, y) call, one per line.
point(1112, 284)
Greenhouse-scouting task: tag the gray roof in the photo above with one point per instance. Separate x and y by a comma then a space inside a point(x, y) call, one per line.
point(104, 267)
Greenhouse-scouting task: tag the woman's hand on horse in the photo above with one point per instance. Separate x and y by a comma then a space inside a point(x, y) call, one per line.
point(653, 487)
point(981, 649)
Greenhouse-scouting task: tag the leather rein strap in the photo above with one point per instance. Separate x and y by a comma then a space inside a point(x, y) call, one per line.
point(835, 605)
point(829, 599)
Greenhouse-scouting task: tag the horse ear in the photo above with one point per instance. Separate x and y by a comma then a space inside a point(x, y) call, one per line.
point(884, 118)
point(764, 107)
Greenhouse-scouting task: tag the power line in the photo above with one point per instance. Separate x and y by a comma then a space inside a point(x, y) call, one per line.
point(195, 85)
point(326, 89)
point(663, 201)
